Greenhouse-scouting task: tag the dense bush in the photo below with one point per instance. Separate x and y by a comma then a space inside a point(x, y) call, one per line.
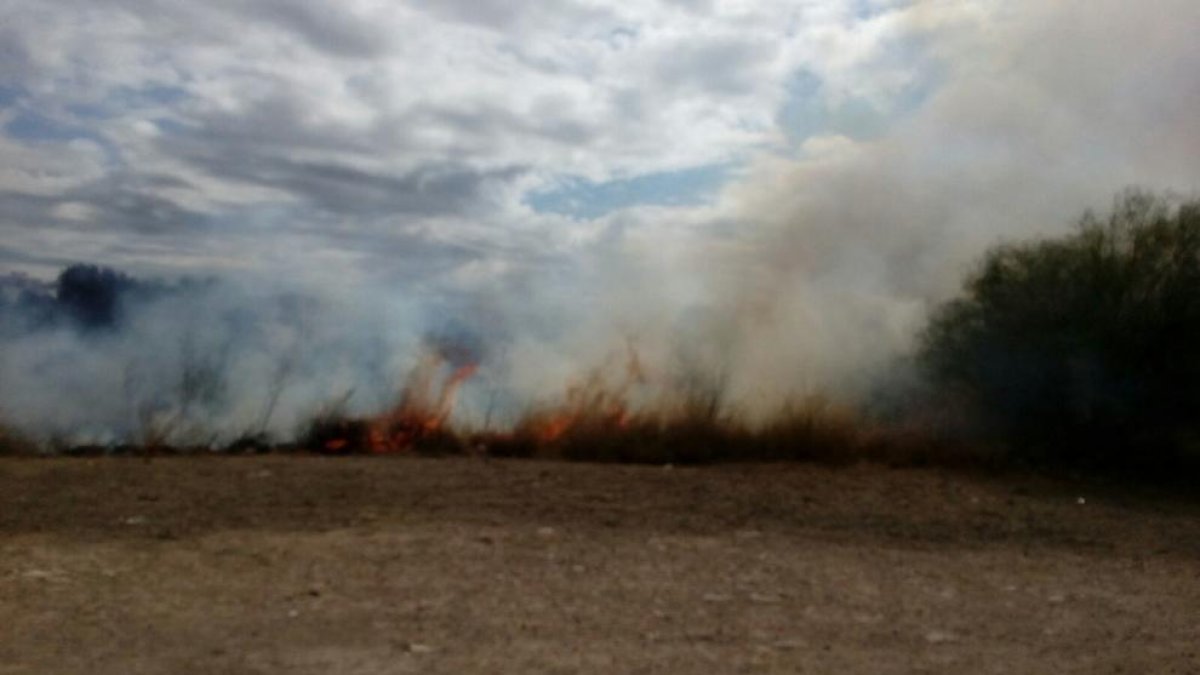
point(1084, 349)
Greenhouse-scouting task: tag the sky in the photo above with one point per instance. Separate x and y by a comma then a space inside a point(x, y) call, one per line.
point(429, 139)
point(441, 135)
point(818, 170)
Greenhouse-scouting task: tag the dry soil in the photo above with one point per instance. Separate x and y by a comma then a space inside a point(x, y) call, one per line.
point(288, 564)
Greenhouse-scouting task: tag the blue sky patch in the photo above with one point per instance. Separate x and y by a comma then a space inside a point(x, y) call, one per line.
point(123, 99)
point(809, 112)
point(9, 95)
point(580, 198)
point(30, 126)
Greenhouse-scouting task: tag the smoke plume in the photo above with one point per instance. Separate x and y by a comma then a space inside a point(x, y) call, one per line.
point(267, 256)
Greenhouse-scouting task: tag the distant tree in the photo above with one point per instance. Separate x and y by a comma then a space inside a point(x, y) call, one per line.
point(1084, 349)
point(91, 294)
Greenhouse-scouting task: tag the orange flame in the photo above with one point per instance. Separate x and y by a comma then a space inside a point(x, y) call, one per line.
point(595, 402)
point(424, 406)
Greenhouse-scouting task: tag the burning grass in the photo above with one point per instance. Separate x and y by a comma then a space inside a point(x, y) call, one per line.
point(618, 412)
point(418, 421)
point(674, 420)
point(810, 430)
point(813, 430)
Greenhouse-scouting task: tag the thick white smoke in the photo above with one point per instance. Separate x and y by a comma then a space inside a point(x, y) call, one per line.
point(810, 272)
point(203, 362)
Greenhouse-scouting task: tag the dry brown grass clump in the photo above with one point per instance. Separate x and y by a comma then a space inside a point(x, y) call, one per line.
point(813, 430)
point(337, 434)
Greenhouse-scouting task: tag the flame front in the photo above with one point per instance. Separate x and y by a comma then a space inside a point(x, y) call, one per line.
point(425, 404)
point(594, 402)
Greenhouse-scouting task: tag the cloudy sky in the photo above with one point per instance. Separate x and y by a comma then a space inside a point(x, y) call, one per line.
point(772, 192)
point(464, 143)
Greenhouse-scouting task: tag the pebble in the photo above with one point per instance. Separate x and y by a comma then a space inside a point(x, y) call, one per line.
point(938, 637)
point(418, 648)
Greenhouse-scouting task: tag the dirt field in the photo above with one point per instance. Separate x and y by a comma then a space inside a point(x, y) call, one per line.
point(285, 564)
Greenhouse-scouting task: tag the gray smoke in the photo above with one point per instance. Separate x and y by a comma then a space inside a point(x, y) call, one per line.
point(200, 362)
point(349, 229)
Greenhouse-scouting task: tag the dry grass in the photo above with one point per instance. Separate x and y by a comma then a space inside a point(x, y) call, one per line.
point(812, 430)
point(692, 432)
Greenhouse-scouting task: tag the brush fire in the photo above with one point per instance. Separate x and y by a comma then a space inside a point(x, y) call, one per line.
point(421, 418)
point(618, 411)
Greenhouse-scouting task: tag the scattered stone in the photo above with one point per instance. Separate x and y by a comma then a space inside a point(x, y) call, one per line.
point(418, 648)
point(39, 574)
point(938, 637)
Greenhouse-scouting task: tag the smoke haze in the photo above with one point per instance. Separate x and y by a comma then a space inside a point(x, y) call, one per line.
point(769, 198)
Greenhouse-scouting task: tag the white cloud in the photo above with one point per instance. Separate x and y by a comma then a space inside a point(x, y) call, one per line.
point(366, 113)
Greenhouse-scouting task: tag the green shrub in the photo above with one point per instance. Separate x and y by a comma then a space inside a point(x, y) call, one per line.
point(1083, 349)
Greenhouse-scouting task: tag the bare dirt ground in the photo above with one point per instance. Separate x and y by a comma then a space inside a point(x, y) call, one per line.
point(290, 564)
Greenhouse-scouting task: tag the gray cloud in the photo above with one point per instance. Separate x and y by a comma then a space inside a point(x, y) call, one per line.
point(329, 27)
point(428, 190)
point(366, 111)
point(506, 16)
point(723, 66)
